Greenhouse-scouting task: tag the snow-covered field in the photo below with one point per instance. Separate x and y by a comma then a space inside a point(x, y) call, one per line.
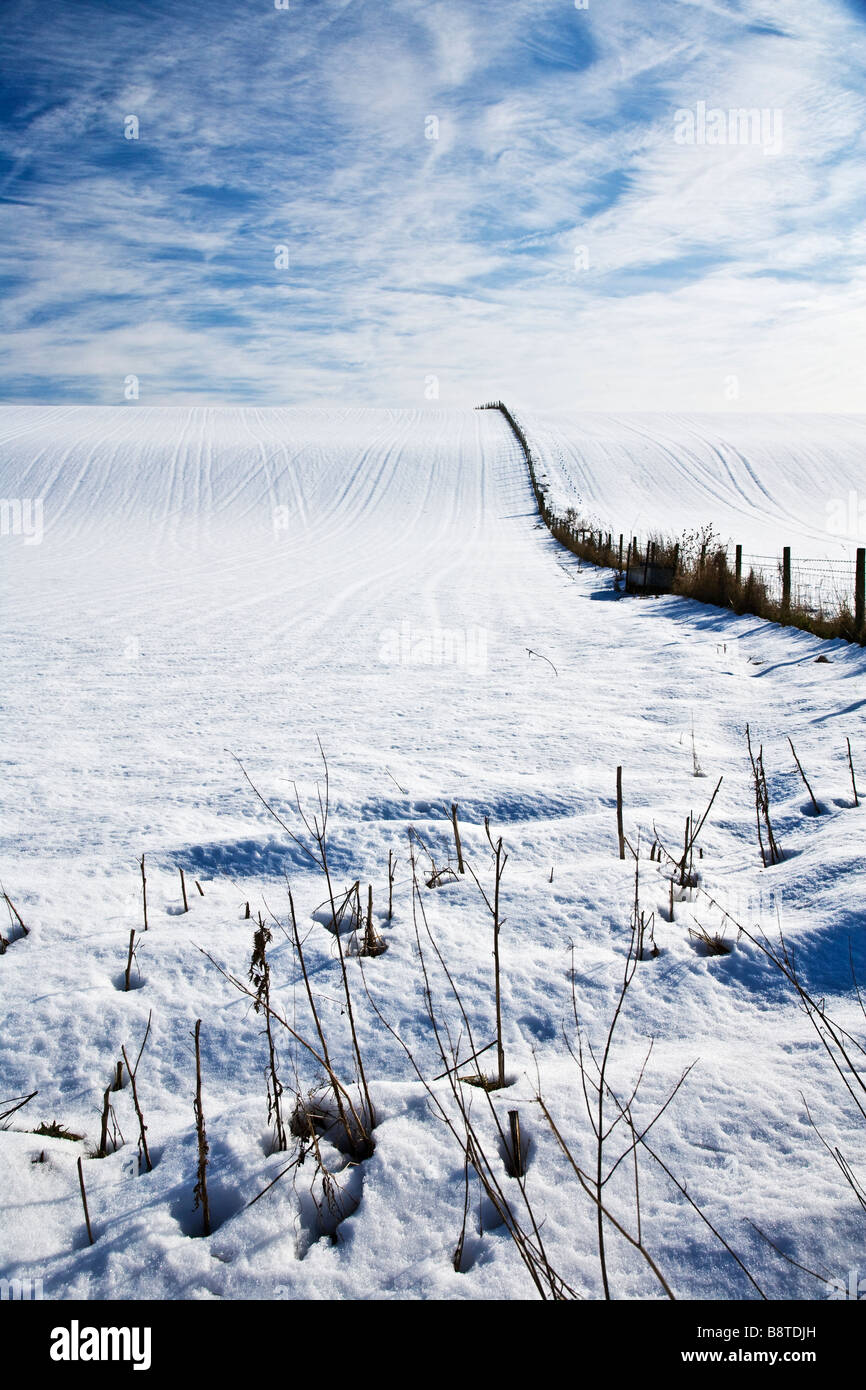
point(218, 582)
point(762, 481)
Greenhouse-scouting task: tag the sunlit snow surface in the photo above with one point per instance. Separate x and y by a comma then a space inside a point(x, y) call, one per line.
point(214, 582)
point(762, 481)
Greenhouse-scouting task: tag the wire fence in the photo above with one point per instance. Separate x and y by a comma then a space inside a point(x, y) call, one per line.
point(817, 586)
point(824, 596)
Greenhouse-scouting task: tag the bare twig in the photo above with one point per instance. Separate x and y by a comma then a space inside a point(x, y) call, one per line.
point(390, 884)
point(815, 806)
point(20, 1102)
point(853, 779)
point(541, 657)
point(25, 931)
point(144, 892)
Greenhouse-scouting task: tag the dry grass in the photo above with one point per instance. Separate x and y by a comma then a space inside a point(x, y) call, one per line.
point(55, 1131)
point(702, 570)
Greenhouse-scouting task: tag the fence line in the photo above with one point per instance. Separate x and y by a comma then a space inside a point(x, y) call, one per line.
point(824, 596)
point(816, 585)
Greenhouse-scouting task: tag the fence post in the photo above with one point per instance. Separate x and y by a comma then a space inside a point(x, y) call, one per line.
point(860, 593)
point(738, 565)
point(620, 551)
point(786, 577)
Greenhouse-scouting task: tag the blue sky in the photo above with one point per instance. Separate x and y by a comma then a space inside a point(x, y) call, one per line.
point(556, 243)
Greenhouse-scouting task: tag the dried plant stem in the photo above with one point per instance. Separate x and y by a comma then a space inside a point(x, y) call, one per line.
point(693, 831)
point(342, 1095)
point(201, 1197)
point(684, 862)
point(84, 1202)
point(594, 1093)
point(517, 1155)
point(19, 1103)
point(500, 864)
point(588, 1187)
point(332, 1077)
point(815, 806)
point(641, 1139)
point(762, 805)
point(129, 959)
point(850, 765)
point(294, 1164)
point(144, 892)
point(260, 978)
point(25, 931)
point(142, 1127)
point(460, 864)
point(103, 1134)
point(390, 884)
point(500, 859)
point(599, 1120)
point(457, 1259)
point(529, 1244)
point(317, 829)
point(351, 1013)
point(531, 1247)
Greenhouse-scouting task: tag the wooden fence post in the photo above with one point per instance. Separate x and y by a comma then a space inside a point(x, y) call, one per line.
point(738, 565)
point(860, 592)
point(786, 577)
point(619, 829)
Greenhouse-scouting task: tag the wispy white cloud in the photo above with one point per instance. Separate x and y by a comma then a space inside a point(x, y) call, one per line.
point(433, 170)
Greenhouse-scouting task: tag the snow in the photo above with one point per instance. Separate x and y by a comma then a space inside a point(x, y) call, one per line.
point(762, 481)
point(222, 584)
